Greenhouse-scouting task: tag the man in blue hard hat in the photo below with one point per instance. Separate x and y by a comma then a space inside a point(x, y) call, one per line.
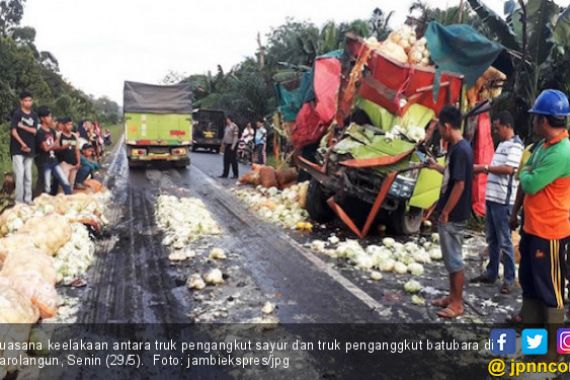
point(545, 181)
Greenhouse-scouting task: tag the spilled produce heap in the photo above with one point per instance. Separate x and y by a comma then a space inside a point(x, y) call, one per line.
point(284, 207)
point(183, 221)
point(389, 257)
point(42, 245)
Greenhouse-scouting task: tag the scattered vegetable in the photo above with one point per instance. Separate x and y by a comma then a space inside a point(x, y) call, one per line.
point(412, 286)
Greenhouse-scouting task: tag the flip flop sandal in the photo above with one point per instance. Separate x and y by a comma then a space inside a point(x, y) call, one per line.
point(440, 302)
point(450, 313)
point(506, 289)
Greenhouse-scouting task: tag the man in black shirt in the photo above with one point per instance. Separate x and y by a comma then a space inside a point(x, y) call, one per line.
point(69, 158)
point(454, 207)
point(47, 146)
point(23, 129)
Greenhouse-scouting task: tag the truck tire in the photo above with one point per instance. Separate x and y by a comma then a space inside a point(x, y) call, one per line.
point(317, 205)
point(407, 222)
point(133, 165)
point(194, 148)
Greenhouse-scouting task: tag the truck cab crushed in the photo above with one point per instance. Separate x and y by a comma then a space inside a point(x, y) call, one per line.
point(367, 125)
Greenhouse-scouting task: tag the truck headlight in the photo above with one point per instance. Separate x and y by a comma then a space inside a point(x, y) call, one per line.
point(403, 187)
point(179, 151)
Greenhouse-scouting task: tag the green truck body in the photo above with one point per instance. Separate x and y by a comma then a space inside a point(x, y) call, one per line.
point(158, 124)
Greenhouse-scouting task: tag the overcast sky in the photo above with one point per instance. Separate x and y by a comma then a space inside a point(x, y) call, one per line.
point(99, 44)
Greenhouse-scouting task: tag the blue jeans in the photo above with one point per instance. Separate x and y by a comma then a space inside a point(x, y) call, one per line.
point(52, 170)
point(259, 151)
point(499, 240)
point(451, 239)
point(82, 174)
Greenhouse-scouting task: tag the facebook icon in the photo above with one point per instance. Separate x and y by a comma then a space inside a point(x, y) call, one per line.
point(503, 341)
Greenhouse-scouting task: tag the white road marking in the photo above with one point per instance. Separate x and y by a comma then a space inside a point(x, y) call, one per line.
point(113, 163)
point(317, 262)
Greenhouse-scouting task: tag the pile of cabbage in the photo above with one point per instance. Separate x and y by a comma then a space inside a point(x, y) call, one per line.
point(411, 132)
point(389, 257)
point(76, 256)
point(403, 46)
point(77, 208)
point(183, 220)
point(283, 207)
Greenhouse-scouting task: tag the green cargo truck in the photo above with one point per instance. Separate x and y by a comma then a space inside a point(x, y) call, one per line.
point(158, 123)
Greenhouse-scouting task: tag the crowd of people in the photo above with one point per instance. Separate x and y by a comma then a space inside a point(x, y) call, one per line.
point(65, 155)
point(251, 145)
point(529, 188)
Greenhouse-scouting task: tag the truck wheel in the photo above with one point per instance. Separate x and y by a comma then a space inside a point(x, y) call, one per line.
point(407, 222)
point(317, 205)
point(133, 165)
point(217, 150)
point(194, 148)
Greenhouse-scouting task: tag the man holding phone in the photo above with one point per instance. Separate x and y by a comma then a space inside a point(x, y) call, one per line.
point(23, 129)
point(454, 207)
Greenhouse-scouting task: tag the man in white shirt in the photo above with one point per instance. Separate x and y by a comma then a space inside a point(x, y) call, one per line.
point(502, 184)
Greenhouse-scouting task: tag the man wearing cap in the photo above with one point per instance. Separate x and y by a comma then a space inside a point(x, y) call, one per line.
point(545, 181)
point(47, 145)
point(88, 165)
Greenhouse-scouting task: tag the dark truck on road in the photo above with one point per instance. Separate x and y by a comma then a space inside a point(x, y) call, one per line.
point(208, 130)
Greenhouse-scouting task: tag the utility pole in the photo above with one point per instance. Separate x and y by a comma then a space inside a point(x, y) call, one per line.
point(261, 52)
point(460, 13)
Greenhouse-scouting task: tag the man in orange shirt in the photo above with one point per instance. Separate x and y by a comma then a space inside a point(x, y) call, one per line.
point(545, 180)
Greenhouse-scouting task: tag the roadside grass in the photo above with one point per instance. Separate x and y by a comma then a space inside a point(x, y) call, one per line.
point(116, 133)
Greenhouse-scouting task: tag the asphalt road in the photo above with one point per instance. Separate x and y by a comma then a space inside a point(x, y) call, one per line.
point(143, 295)
point(133, 281)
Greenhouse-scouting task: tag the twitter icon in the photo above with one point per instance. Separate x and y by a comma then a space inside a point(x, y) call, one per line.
point(534, 342)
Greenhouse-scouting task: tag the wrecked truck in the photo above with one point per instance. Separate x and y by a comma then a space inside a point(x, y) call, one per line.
point(363, 124)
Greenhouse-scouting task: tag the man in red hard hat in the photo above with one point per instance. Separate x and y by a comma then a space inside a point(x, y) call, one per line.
point(545, 181)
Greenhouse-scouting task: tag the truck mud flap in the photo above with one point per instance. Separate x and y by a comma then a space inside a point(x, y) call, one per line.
point(386, 184)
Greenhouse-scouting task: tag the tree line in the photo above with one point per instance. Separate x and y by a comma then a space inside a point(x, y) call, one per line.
point(536, 33)
point(23, 66)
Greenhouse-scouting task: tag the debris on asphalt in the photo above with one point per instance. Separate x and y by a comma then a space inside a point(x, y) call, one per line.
point(417, 300)
point(412, 286)
point(214, 277)
point(183, 220)
point(181, 255)
point(268, 308)
point(375, 275)
point(217, 254)
point(195, 281)
point(284, 207)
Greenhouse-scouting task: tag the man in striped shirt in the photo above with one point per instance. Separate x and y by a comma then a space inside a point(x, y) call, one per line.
point(500, 196)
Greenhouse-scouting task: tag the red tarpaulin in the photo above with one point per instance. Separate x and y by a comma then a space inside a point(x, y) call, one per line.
point(483, 151)
point(315, 117)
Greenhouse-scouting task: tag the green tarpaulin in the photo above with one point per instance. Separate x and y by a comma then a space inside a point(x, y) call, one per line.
point(460, 49)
